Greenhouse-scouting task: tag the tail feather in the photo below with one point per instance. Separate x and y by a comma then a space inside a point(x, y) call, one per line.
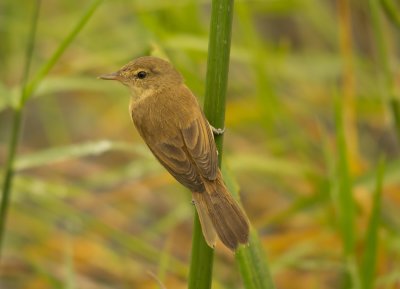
point(207, 226)
point(228, 219)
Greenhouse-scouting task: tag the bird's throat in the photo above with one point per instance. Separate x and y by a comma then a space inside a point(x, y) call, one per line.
point(138, 93)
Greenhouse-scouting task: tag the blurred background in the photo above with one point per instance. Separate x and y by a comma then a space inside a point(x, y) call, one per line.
point(311, 110)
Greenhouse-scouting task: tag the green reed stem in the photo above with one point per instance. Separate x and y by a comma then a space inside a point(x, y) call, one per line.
point(218, 66)
point(251, 259)
point(214, 108)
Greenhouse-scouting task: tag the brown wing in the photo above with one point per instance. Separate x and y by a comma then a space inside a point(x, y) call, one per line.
point(201, 147)
point(178, 134)
point(172, 155)
point(189, 155)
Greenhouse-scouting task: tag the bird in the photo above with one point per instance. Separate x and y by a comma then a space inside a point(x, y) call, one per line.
point(171, 122)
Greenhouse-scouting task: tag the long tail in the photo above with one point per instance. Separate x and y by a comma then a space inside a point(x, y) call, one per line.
point(220, 213)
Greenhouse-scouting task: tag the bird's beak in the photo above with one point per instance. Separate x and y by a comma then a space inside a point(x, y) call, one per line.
point(110, 76)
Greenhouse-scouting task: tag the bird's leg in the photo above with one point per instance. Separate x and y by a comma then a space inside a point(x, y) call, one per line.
point(217, 131)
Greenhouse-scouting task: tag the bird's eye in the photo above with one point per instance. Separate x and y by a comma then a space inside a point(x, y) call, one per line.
point(141, 74)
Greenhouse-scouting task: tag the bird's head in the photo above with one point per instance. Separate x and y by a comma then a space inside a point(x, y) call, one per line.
point(146, 74)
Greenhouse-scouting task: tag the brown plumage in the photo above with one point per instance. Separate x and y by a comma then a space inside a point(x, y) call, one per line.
point(171, 122)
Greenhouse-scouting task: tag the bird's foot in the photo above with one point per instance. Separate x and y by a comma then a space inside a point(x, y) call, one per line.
point(217, 131)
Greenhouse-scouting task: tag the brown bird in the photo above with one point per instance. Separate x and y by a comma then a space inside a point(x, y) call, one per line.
point(171, 122)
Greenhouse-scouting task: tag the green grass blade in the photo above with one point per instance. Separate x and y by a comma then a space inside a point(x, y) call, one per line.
point(392, 11)
point(63, 153)
point(31, 87)
point(15, 130)
point(27, 91)
point(253, 265)
point(345, 202)
point(214, 108)
point(383, 61)
point(368, 263)
point(251, 259)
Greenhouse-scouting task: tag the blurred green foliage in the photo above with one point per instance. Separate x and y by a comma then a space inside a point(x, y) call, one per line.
point(91, 208)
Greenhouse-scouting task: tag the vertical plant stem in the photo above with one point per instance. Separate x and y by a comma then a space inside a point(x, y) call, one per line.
point(16, 128)
point(346, 51)
point(345, 206)
point(27, 90)
point(369, 258)
point(201, 265)
point(214, 108)
point(218, 66)
point(8, 173)
point(345, 199)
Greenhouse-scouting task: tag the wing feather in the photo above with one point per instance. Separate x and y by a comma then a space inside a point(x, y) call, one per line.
point(200, 144)
point(181, 139)
point(190, 155)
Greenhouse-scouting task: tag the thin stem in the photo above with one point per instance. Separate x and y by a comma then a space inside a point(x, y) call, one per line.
point(214, 108)
point(9, 172)
point(31, 87)
point(16, 128)
point(348, 83)
point(369, 259)
point(345, 198)
point(27, 90)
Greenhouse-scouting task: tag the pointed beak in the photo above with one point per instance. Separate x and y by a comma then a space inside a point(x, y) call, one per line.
point(109, 76)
